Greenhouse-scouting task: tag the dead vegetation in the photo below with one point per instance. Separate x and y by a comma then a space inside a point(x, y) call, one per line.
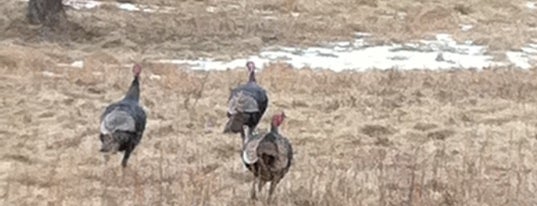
point(456, 138)
point(229, 29)
point(461, 137)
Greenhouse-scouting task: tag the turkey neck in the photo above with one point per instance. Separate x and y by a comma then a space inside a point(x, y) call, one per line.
point(273, 128)
point(252, 76)
point(134, 91)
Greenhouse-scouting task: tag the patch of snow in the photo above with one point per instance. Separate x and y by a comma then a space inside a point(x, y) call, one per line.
point(529, 50)
point(401, 15)
point(155, 77)
point(128, 7)
point(234, 6)
point(526, 58)
point(210, 9)
point(91, 4)
point(519, 59)
point(531, 5)
point(50, 74)
point(360, 56)
point(362, 34)
point(82, 4)
point(263, 12)
point(78, 64)
point(270, 17)
point(466, 27)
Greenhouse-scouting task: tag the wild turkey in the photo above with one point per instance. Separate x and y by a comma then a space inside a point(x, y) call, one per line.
point(268, 157)
point(123, 122)
point(247, 104)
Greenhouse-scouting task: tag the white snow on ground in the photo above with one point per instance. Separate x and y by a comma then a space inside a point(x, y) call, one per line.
point(441, 53)
point(531, 5)
point(526, 58)
point(91, 4)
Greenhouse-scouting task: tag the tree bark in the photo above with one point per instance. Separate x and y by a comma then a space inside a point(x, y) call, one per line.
point(49, 13)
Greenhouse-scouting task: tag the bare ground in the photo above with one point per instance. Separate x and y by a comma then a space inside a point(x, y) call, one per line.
point(458, 137)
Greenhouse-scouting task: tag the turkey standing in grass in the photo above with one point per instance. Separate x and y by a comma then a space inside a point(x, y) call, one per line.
point(247, 104)
point(123, 122)
point(268, 157)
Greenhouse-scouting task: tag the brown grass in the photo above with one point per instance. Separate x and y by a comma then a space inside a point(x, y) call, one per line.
point(461, 137)
point(374, 138)
point(238, 28)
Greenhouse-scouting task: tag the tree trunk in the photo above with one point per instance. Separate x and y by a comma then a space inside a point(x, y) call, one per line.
point(49, 13)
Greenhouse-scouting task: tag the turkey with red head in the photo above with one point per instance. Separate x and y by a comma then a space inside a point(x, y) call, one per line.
point(123, 122)
point(246, 105)
point(268, 156)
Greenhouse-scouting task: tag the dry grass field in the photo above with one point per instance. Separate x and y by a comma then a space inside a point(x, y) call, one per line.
point(227, 29)
point(459, 137)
